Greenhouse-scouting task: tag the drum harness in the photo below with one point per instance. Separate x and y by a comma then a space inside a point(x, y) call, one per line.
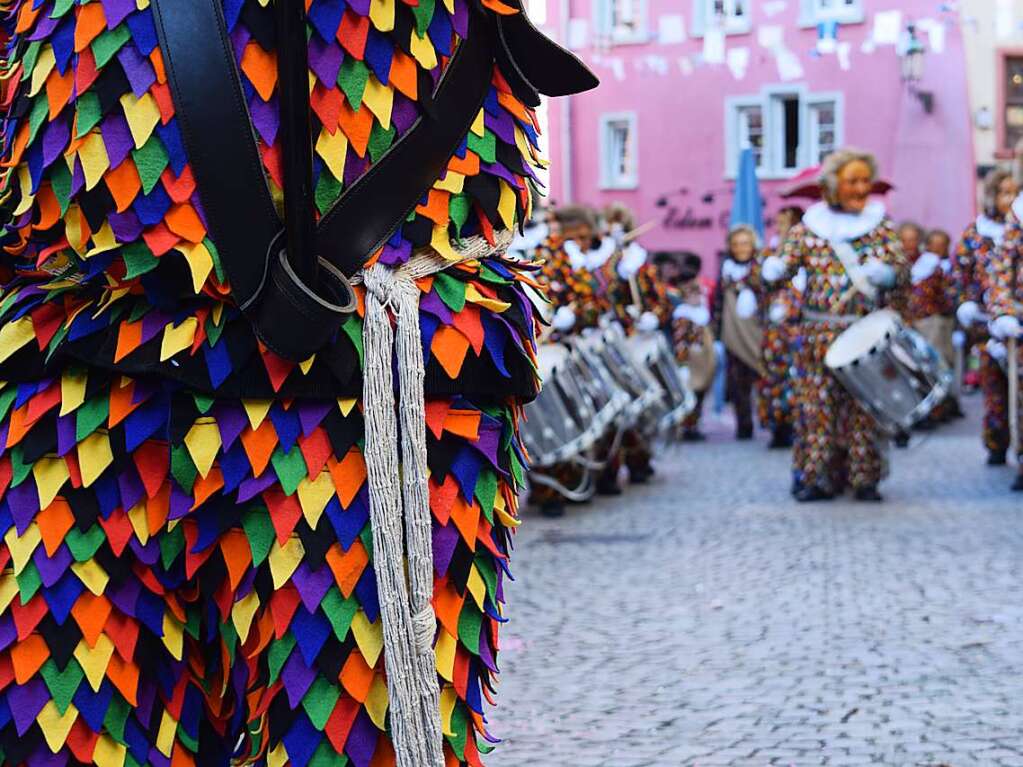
point(293, 282)
point(860, 284)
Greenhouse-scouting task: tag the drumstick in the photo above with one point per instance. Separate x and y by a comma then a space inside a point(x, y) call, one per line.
point(639, 231)
point(1013, 396)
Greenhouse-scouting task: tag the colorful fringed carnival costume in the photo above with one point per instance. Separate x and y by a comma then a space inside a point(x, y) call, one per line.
point(245, 246)
point(970, 264)
point(837, 441)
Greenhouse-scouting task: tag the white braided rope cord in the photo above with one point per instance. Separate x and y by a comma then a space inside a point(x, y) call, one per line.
point(399, 501)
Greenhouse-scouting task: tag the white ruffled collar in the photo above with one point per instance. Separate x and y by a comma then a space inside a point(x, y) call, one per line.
point(589, 259)
point(1017, 207)
point(989, 228)
point(734, 271)
point(834, 225)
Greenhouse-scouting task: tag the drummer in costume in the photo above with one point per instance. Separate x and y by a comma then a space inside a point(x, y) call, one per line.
point(214, 540)
point(779, 310)
point(577, 302)
point(931, 304)
point(739, 324)
point(854, 265)
point(641, 302)
point(970, 265)
point(691, 336)
point(1005, 294)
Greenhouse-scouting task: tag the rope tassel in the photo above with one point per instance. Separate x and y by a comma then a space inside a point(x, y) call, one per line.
point(400, 505)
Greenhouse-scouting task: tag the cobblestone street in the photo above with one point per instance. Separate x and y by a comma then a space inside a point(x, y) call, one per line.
point(707, 619)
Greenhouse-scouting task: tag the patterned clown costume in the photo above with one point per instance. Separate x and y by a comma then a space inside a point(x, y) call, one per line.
point(637, 295)
point(191, 569)
point(693, 343)
point(779, 311)
point(838, 442)
point(1005, 280)
point(970, 264)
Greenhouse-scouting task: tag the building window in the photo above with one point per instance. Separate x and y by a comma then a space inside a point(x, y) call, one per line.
point(814, 12)
point(620, 21)
point(823, 129)
point(788, 130)
point(750, 130)
point(730, 16)
point(1012, 104)
point(619, 162)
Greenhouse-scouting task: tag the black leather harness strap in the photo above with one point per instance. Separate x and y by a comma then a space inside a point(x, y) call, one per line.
point(219, 136)
point(293, 313)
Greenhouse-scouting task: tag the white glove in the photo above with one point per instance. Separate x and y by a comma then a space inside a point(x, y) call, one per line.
point(879, 273)
point(632, 259)
point(968, 313)
point(564, 319)
point(924, 267)
point(799, 281)
point(996, 349)
point(778, 313)
point(773, 269)
point(946, 265)
point(698, 315)
point(1005, 327)
point(959, 339)
point(746, 304)
point(648, 322)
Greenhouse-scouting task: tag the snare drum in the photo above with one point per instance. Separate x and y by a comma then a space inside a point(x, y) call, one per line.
point(891, 370)
point(558, 424)
point(651, 352)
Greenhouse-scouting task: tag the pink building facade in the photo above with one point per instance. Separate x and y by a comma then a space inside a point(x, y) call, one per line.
point(686, 84)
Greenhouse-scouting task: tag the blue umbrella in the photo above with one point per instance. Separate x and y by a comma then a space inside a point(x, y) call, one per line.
point(748, 207)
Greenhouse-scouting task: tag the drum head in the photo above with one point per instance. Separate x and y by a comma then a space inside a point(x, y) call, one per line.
point(860, 338)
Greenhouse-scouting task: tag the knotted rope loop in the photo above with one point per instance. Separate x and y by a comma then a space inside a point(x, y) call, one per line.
point(400, 506)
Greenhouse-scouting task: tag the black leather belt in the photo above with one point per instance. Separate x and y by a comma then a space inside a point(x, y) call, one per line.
point(292, 283)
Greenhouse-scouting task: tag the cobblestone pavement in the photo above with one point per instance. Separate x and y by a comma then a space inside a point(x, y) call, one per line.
point(707, 619)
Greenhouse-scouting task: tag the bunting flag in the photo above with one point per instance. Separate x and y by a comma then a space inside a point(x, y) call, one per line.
point(186, 568)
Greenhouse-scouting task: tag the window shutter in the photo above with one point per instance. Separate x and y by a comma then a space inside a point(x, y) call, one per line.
point(699, 25)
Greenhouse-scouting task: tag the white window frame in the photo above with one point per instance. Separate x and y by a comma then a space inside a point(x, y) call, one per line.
point(605, 32)
point(631, 180)
point(811, 14)
point(733, 106)
point(837, 101)
point(732, 26)
point(773, 149)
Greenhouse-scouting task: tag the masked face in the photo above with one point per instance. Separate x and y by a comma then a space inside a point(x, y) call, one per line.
point(855, 182)
point(581, 233)
point(1007, 191)
point(938, 244)
point(742, 246)
point(910, 239)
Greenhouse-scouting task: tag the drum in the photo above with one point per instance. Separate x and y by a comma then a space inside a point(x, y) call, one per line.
point(607, 399)
point(891, 370)
point(625, 359)
point(651, 352)
point(558, 424)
